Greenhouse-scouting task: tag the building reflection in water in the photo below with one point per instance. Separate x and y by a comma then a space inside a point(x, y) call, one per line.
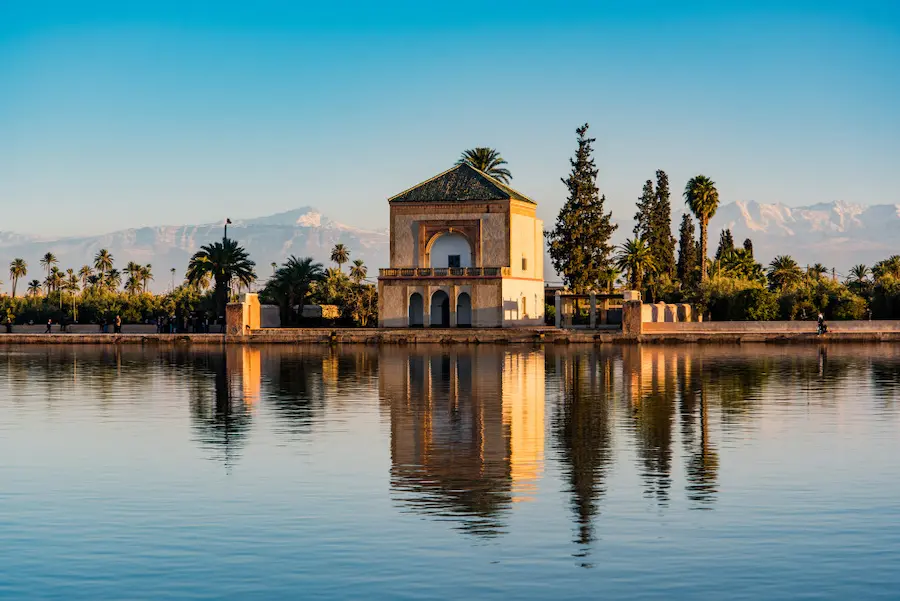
point(467, 432)
point(221, 413)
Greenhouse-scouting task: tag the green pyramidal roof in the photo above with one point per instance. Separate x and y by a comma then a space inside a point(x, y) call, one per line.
point(460, 184)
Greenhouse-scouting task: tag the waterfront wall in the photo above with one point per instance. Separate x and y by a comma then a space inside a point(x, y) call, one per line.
point(767, 327)
point(394, 336)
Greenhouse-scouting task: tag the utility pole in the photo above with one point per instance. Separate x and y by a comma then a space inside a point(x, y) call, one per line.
point(225, 237)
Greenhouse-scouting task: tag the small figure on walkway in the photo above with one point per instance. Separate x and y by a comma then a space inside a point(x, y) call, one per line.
point(9, 324)
point(49, 326)
point(822, 326)
point(118, 325)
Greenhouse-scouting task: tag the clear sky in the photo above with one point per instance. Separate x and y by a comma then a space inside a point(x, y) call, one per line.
point(117, 114)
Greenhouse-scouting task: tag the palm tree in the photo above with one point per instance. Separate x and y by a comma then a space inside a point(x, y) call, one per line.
point(702, 199)
point(739, 263)
point(486, 160)
point(133, 271)
point(292, 282)
point(71, 283)
point(146, 275)
point(608, 277)
point(112, 279)
point(55, 281)
point(783, 272)
point(358, 271)
point(48, 261)
point(635, 257)
point(859, 275)
point(817, 271)
point(340, 255)
point(226, 262)
point(887, 267)
point(34, 288)
point(133, 284)
point(103, 261)
point(84, 273)
point(18, 268)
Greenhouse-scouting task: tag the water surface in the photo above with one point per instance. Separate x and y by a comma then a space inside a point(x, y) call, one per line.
point(454, 472)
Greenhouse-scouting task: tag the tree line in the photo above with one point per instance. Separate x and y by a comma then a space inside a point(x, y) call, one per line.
point(216, 274)
point(730, 285)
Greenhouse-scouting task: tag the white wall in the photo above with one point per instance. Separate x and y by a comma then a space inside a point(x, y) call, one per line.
point(450, 244)
point(514, 291)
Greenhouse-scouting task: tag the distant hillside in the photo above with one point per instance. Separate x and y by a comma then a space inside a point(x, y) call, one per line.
point(302, 232)
point(837, 234)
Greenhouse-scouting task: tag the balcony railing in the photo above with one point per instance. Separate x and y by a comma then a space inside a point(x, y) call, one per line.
point(444, 272)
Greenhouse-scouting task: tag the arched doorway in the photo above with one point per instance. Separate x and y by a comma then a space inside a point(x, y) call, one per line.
point(449, 250)
point(416, 310)
point(440, 310)
point(464, 310)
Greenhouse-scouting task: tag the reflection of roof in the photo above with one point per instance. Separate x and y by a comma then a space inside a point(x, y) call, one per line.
point(459, 184)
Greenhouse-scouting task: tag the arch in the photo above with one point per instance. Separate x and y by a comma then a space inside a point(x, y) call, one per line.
point(416, 310)
point(443, 245)
point(440, 310)
point(464, 310)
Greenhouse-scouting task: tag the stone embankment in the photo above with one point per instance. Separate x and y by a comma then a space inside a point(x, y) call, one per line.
point(662, 333)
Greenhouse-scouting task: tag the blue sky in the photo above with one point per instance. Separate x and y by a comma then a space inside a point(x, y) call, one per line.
point(116, 116)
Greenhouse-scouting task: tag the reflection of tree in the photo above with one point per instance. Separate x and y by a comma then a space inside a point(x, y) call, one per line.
point(583, 433)
point(449, 452)
point(220, 420)
point(886, 381)
point(702, 458)
point(297, 390)
point(652, 409)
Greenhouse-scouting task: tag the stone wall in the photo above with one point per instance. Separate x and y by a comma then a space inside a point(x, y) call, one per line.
point(741, 327)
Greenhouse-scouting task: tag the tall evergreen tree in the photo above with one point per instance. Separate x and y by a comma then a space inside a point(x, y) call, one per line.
point(748, 246)
point(662, 243)
point(687, 252)
point(642, 218)
point(580, 241)
point(726, 244)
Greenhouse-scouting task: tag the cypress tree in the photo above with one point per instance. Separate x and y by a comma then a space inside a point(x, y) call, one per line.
point(644, 215)
point(748, 246)
point(662, 243)
point(687, 252)
point(726, 244)
point(580, 240)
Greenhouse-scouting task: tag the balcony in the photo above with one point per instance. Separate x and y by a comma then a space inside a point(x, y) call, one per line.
point(444, 272)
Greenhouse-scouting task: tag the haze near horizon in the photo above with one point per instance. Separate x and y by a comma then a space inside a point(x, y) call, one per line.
point(119, 116)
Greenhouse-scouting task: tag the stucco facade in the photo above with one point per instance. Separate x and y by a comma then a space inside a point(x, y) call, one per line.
point(466, 251)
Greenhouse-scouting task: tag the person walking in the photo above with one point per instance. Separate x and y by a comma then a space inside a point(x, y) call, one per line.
point(9, 324)
point(49, 326)
point(118, 325)
point(822, 326)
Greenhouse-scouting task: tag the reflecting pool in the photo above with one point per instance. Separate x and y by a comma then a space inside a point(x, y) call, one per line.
point(276, 472)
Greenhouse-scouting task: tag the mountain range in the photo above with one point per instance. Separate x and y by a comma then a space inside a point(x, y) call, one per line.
point(302, 232)
point(837, 234)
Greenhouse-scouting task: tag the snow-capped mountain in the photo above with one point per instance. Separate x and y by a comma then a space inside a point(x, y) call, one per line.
point(302, 232)
point(837, 234)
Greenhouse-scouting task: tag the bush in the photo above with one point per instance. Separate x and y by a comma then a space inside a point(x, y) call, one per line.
point(732, 299)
